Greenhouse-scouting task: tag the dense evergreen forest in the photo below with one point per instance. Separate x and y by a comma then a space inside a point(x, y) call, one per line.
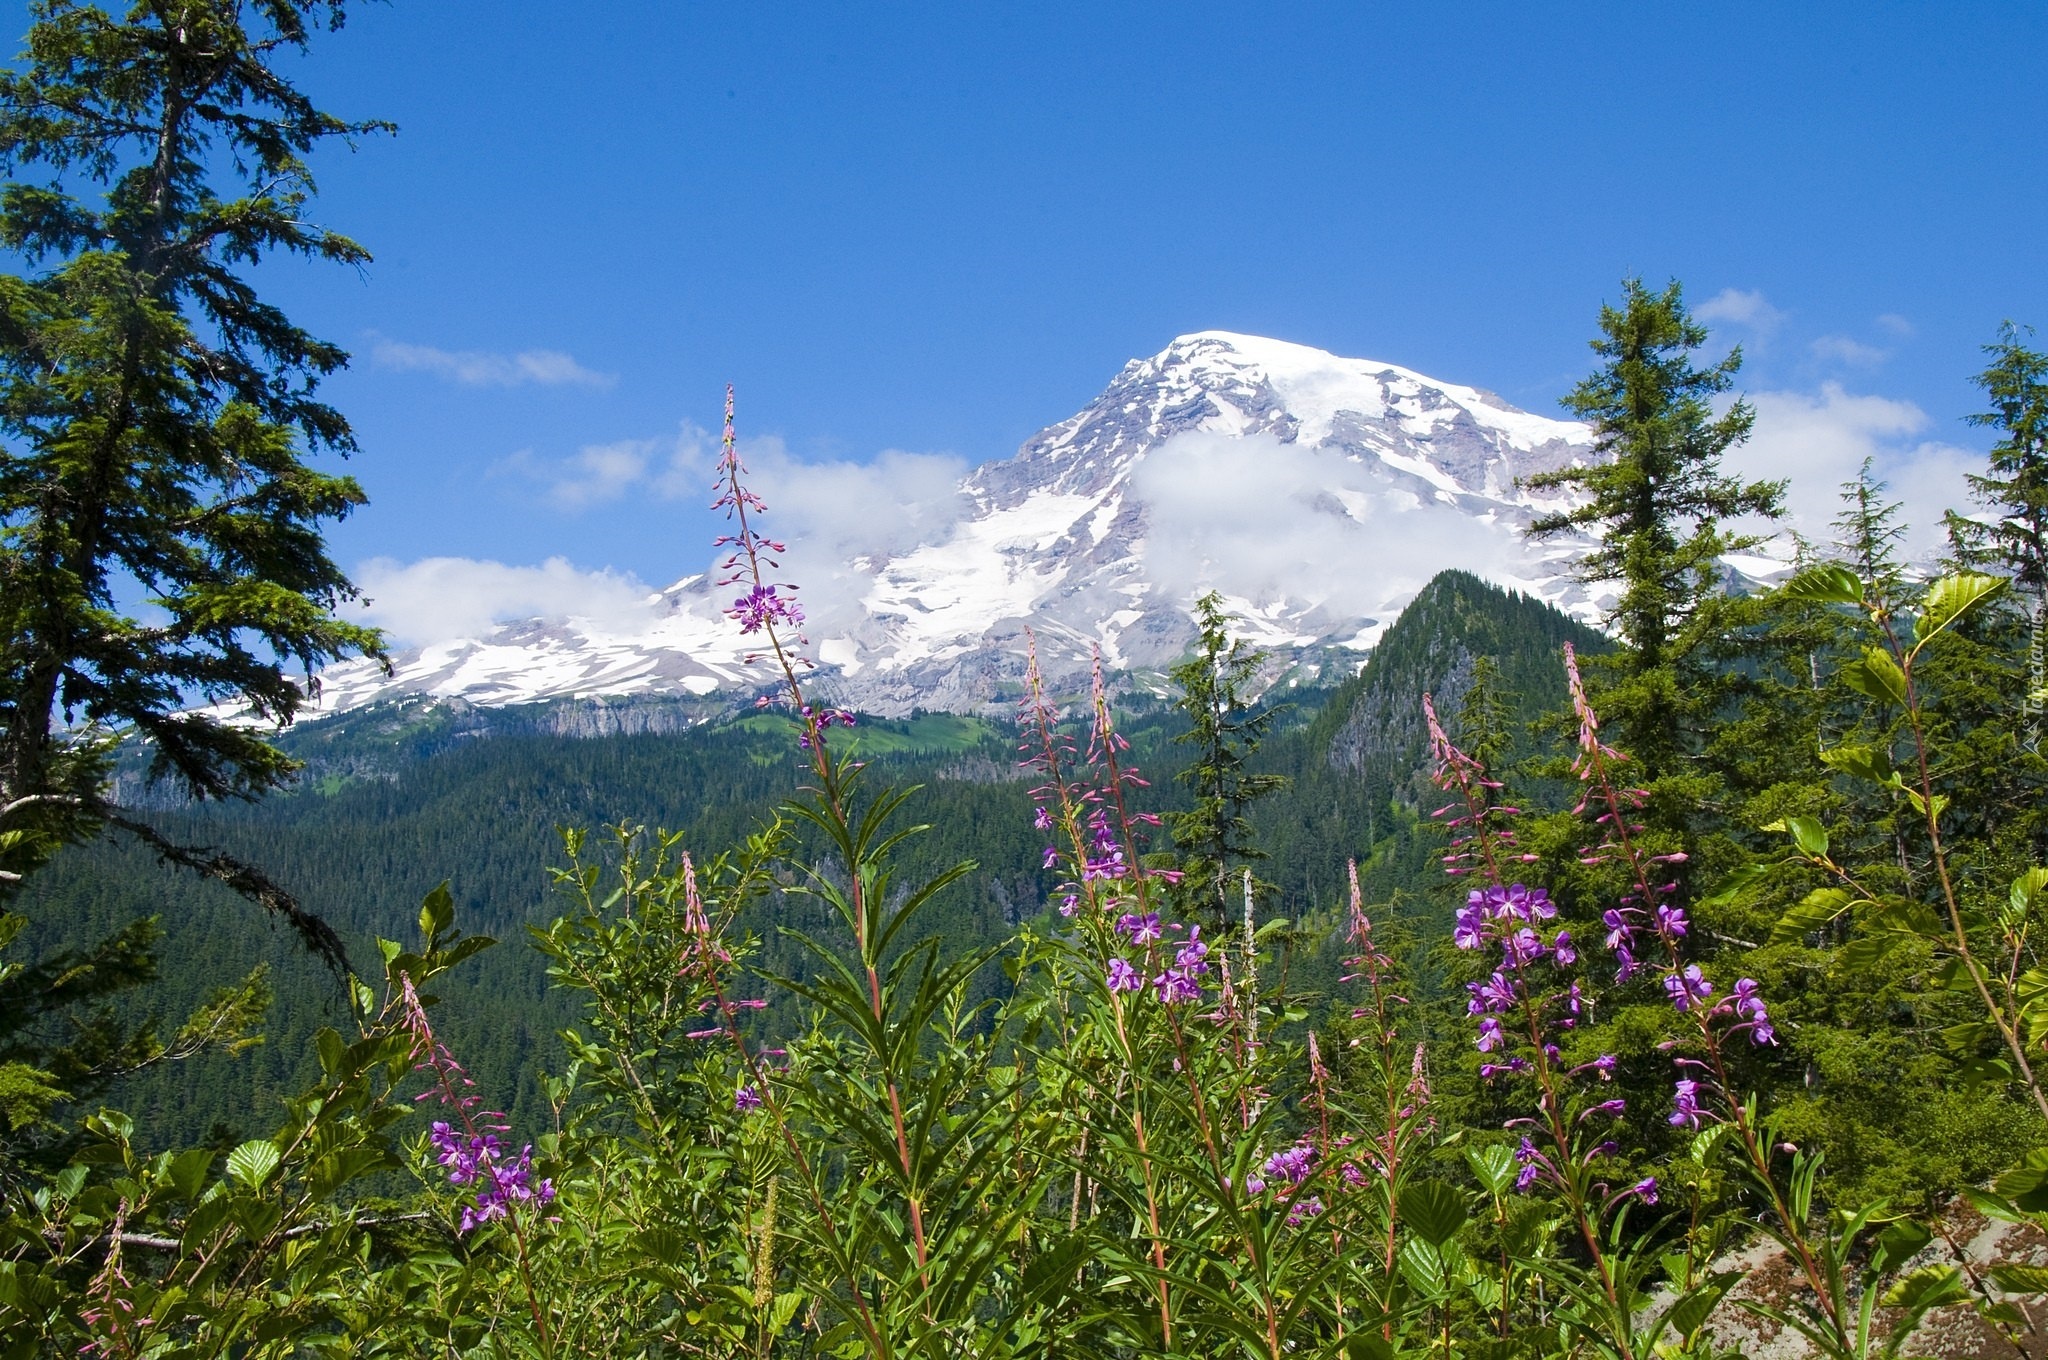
point(393, 802)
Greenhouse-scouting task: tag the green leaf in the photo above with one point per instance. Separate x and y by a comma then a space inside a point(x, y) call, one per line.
point(1732, 886)
point(2026, 1185)
point(1949, 598)
point(1926, 1289)
point(1809, 835)
point(1816, 911)
point(1901, 1240)
point(1831, 583)
point(1693, 1308)
point(2026, 891)
point(253, 1161)
point(1876, 675)
point(1493, 1166)
point(2020, 1279)
point(437, 913)
point(1435, 1210)
point(1863, 762)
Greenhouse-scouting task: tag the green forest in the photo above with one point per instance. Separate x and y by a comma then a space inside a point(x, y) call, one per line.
point(1662, 989)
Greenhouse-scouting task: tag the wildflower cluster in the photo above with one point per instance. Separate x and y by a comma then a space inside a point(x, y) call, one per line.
point(764, 605)
point(479, 1159)
point(472, 1154)
point(1083, 800)
point(1175, 983)
point(1644, 917)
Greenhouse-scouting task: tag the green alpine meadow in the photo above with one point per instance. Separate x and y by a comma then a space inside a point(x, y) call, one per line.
point(1304, 860)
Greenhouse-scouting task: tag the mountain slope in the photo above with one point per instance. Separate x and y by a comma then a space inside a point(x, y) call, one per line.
point(1317, 493)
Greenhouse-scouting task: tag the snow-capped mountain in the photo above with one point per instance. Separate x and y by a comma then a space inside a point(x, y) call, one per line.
point(1317, 493)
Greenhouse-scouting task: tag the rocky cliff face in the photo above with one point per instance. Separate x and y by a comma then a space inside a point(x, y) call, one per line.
point(1318, 494)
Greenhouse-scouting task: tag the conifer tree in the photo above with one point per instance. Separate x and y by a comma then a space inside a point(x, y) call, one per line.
point(156, 414)
point(1658, 503)
point(2015, 487)
point(1215, 836)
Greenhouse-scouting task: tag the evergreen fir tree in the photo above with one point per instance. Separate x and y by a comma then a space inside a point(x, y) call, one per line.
point(2015, 488)
point(157, 415)
point(1658, 502)
point(1215, 836)
point(1486, 715)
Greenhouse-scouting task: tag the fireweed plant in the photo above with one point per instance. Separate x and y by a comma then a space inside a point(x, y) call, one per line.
point(1525, 1012)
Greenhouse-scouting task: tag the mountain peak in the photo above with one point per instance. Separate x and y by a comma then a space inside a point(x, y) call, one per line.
point(1317, 493)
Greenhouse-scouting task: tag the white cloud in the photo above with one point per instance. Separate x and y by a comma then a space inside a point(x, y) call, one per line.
point(838, 513)
point(1843, 350)
point(477, 368)
point(438, 599)
point(1817, 441)
point(596, 474)
point(1259, 518)
point(1891, 323)
point(1742, 307)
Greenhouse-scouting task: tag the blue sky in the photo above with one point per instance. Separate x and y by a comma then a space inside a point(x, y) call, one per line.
point(937, 228)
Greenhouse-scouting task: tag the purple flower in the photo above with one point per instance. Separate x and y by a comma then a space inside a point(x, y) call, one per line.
point(1291, 1165)
point(1470, 930)
point(1627, 969)
point(1750, 1007)
point(1619, 931)
point(1562, 951)
point(1685, 1106)
point(1175, 985)
point(1042, 820)
point(1141, 929)
point(1526, 1177)
point(1671, 920)
point(1645, 1190)
point(1494, 995)
point(1193, 952)
point(746, 1100)
point(1123, 977)
point(1069, 904)
point(1303, 1210)
point(1688, 989)
point(1490, 1036)
point(1521, 946)
point(1254, 1186)
point(760, 607)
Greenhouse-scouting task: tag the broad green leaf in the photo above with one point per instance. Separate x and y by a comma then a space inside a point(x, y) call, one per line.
point(1816, 911)
point(188, 1171)
point(1864, 762)
point(2020, 1279)
point(2027, 890)
point(1949, 598)
point(253, 1161)
point(1830, 583)
point(1690, 1312)
point(1732, 886)
point(1809, 835)
point(2026, 1184)
point(1876, 675)
point(437, 913)
point(1435, 1210)
point(1919, 803)
point(1493, 1166)
point(1902, 1239)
